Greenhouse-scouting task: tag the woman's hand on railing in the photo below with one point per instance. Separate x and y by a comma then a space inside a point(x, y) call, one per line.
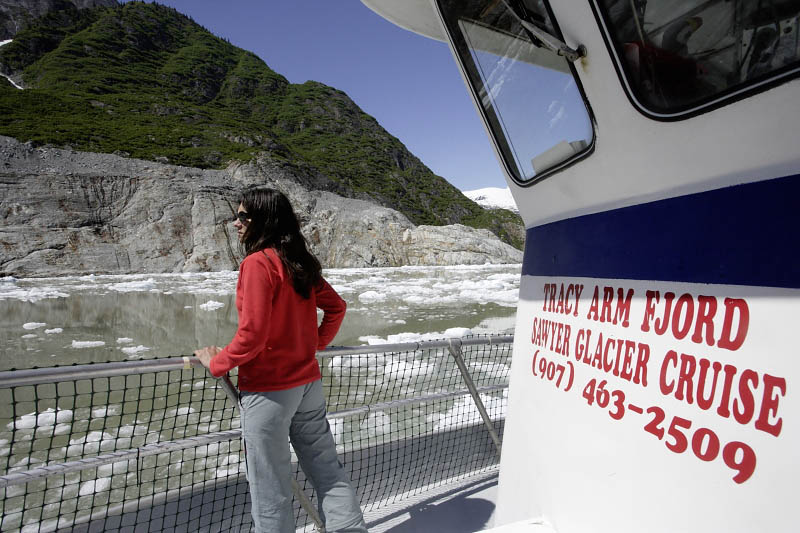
point(205, 354)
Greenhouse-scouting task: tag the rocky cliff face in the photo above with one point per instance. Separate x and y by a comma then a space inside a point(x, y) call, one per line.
point(67, 212)
point(17, 14)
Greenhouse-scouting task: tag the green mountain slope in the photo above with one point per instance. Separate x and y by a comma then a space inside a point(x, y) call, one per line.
point(145, 80)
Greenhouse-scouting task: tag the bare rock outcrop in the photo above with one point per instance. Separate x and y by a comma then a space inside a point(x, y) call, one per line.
point(66, 212)
point(15, 15)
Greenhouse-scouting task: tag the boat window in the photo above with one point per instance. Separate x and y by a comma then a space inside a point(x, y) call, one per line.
point(528, 94)
point(680, 56)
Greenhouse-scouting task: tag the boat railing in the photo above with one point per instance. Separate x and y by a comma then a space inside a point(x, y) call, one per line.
point(154, 445)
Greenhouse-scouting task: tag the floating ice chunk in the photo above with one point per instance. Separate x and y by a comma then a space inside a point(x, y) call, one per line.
point(108, 410)
point(124, 340)
point(211, 305)
point(133, 350)
point(232, 462)
point(371, 297)
point(399, 321)
point(408, 336)
point(92, 436)
point(87, 344)
point(464, 412)
point(491, 368)
point(341, 289)
point(94, 486)
point(353, 366)
point(407, 370)
point(134, 286)
point(33, 325)
point(377, 423)
point(53, 331)
point(30, 336)
point(457, 332)
point(48, 417)
point(29, 295)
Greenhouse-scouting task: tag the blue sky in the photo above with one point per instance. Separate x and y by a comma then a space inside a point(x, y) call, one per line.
point(409, 83)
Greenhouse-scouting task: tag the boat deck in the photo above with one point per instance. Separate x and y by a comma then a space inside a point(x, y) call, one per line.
point(464, 507)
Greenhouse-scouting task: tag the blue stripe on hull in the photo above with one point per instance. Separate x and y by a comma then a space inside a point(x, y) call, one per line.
point(741, 235)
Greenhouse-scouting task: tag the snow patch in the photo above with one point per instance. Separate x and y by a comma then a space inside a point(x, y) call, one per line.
point(493, 198)
point(3, 43)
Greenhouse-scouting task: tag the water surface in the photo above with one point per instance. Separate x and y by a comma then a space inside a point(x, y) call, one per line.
point(82, 319)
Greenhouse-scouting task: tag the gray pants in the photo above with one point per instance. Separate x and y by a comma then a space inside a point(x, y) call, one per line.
point(269, 420)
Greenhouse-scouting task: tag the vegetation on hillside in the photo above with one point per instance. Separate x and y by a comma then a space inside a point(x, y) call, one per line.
point(144, 80)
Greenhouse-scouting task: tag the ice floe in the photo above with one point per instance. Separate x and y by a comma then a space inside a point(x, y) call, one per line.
point(211, 305)
point(87, 344)
point(135, 350)
point(10, 291)
point(423, 285)
point(54, 331)
point(33, 325)
point(399, 338)
point(464, 412)
point(371, 296)
point(134, 286)
point(47, 417)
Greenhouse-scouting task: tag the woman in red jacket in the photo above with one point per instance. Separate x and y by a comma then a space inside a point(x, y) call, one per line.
point(279, 290)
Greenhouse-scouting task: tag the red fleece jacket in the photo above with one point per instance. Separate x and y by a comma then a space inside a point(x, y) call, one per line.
point(275, 344)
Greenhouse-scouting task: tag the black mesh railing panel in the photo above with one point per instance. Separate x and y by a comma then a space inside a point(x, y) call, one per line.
point(386, 376)
point(160, 450)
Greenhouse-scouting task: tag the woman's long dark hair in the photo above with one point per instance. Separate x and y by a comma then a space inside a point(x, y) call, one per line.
point(273, 224)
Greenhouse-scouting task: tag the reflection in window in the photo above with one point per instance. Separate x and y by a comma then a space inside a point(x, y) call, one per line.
point(528, 93)
point(680, 54)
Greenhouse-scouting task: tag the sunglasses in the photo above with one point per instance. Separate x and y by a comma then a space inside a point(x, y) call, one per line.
point(242, 217)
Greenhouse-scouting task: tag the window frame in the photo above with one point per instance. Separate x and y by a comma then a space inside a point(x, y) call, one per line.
point(721, 99)
point(497, 137)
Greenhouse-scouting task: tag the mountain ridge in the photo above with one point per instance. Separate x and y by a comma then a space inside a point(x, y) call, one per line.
point(145, 81)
